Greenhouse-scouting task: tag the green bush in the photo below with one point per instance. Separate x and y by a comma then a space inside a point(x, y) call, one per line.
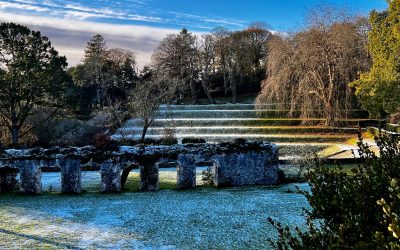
point(345, 210)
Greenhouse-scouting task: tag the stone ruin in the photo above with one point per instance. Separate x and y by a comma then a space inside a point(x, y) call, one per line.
point(233, 164)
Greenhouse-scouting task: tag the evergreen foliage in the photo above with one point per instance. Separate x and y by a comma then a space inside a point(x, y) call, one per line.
point(379, 89)
point(32, 75)
point(347, 209)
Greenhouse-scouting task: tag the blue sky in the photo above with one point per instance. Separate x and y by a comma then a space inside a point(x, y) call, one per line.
point(139, 25)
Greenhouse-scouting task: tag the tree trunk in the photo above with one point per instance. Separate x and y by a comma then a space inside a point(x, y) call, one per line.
point(329, 114)
point(144, 132)
point(15, 134)
point(193, 92)
point(225, 84)
point(233, 81)
point(205, 83)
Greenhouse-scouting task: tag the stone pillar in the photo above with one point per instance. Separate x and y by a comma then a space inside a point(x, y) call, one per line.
point(186, 172)
point(71, 176)
point(149, 177)
point(110, 177)
point(30, 177)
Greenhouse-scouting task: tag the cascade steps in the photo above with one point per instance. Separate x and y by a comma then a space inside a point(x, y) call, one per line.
point(227, 122)
point(249, 122)
point(234, 113)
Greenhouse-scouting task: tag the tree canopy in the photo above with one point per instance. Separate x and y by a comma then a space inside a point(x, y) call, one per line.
point(379, 89)
point(309, 70)
point(104, 77)
point(31, 74)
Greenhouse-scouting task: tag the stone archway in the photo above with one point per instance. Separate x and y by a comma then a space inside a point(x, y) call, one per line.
point(8, 178)
point(126, 170)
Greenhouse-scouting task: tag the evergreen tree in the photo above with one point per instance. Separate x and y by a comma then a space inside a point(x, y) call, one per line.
point(379, 89)
point(32, 74)
point(94, 59)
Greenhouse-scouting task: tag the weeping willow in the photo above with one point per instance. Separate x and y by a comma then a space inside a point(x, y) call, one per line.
point(308, 72)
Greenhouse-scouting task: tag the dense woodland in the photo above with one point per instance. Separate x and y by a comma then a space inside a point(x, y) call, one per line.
point(337, 63)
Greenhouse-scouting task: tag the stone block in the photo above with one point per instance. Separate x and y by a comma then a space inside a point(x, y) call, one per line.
point(110, 177)
point(71, 177)
point(186, 172)
point(246, 169)
point(30, 177)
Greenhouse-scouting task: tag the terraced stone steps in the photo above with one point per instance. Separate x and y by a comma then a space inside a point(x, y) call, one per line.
point(305, 138)
point(227, 122)
point(241, 122)
point(227, 106)
point(244, 130)
point(236, 113)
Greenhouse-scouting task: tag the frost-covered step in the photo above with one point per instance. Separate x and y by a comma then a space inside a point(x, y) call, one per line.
point(315, 138)
point(243, 130)
point(227, 106)
point(218, 113)
point(198, 122)
point(235, 113)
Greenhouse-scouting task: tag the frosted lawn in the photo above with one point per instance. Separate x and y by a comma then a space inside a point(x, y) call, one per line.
point(168, 219)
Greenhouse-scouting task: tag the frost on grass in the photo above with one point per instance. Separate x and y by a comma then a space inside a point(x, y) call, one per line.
point(168, 219)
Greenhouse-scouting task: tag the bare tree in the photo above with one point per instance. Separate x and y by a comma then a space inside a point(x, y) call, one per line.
point(208, 58)
point(176, 60)
point(311, 69)
point(220, 36)
point(145, 100)
point(246, 55)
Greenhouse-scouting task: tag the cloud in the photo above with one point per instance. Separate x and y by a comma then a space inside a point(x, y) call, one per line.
point(135, 25)
point(71, 36)
point(22, 6)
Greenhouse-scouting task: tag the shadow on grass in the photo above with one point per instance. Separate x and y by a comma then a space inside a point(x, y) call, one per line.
point(37, 238)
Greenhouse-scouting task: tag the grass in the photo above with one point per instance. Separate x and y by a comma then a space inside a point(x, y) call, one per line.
point(168, 219)
point(166, 182)
point(352, 142)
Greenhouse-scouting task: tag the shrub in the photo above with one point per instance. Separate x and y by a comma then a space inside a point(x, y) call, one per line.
point(345, 213)
point(207, 177)
point(193, 141)
point(169, 137)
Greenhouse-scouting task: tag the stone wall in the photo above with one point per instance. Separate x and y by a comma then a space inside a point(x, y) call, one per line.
point(246, 169)
point(235, 164)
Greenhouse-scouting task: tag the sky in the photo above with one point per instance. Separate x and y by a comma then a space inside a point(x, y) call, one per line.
point(139, 25)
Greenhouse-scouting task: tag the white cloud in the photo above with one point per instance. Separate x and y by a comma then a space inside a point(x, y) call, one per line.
point(70, 36)
point(7, 5)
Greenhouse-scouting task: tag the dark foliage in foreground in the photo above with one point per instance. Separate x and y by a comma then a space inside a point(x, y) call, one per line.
point(358, 211)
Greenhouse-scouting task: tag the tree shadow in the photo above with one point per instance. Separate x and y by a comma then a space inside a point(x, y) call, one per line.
point(38, 238)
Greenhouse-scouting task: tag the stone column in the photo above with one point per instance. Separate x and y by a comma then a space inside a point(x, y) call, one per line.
point(30, 177)
point(149, 177)
point(71, 176)
point(110, 177)
point(186, 172)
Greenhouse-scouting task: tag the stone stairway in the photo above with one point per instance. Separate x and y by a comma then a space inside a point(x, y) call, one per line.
point(226, 122)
